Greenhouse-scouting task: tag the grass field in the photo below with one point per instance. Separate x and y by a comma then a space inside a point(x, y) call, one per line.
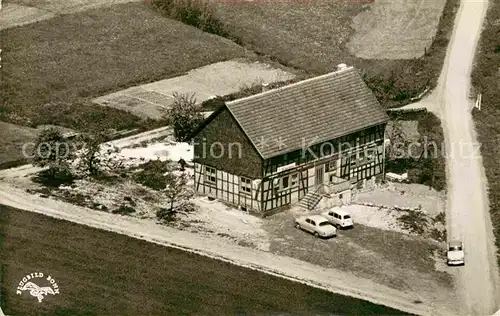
point(87, 54)
point(313, 36)
point(485, 78)
point(101, 273)
point(12, 140)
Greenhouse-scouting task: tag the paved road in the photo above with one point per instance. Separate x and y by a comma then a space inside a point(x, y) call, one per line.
point(467, 212)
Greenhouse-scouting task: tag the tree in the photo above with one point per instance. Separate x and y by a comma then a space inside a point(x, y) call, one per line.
point(92, 157)
point(175, 189)
point(185, 116)
point(177, 196)
point(52, 150)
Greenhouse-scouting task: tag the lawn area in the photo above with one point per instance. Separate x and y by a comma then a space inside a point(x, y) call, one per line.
point(12, 140)
point(73, 57)
point(313, 36)
point(102, 273)
point(485, 79)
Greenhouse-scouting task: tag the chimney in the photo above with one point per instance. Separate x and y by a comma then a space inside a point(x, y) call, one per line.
point(341, 66)
point(265, 87)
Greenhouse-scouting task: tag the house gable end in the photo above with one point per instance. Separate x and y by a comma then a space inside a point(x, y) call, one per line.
point(221, 143)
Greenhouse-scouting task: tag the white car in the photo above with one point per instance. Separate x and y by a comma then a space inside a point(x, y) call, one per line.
point(456, 254)
point(339, 218)
point(317, 225)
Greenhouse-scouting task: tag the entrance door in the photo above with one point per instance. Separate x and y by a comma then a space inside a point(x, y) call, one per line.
point(320, 173)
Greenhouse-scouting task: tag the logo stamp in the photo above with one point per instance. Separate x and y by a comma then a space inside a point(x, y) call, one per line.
point(38, 285)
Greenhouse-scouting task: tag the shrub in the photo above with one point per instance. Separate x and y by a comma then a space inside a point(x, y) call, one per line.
point(440, 218)
point(152, 174)
point(46, 178)
point(52, 150)
point(130, 200)
point(437, 234)
point(414, 221)
point(123, 210)
point(168, 214)
point(198, 13)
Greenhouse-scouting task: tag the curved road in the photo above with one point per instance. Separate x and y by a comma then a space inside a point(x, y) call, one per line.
point(467, 211)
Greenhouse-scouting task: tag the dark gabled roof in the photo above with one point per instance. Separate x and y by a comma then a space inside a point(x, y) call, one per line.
point(307, 112)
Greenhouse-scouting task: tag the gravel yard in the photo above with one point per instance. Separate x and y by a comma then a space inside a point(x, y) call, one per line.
point(405, 195)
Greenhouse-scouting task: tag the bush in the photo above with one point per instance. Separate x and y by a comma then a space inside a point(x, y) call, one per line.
point(168, 214)
point(46, 178)
point(53, 151)
point(437, 234)
point(198, 13)
point(414, 221)
point(152, 174)
point(440, 218)
point(124, 210)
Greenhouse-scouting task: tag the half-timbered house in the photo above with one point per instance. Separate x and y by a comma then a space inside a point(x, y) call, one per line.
point(281, 146)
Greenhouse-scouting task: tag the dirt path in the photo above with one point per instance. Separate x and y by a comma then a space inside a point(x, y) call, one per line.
point(467, 212)
point(329, 279)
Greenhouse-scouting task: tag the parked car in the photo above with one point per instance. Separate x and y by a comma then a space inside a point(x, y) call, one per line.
point(317, 225)
point(456, 254)
point(339, 218)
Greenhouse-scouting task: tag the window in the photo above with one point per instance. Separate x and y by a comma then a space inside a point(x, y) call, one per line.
point(245, 185)
point(353, 160)
point(331, 166)
point(293, 180)
point(284, 182)
point(210, 174)
point(340, 196)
